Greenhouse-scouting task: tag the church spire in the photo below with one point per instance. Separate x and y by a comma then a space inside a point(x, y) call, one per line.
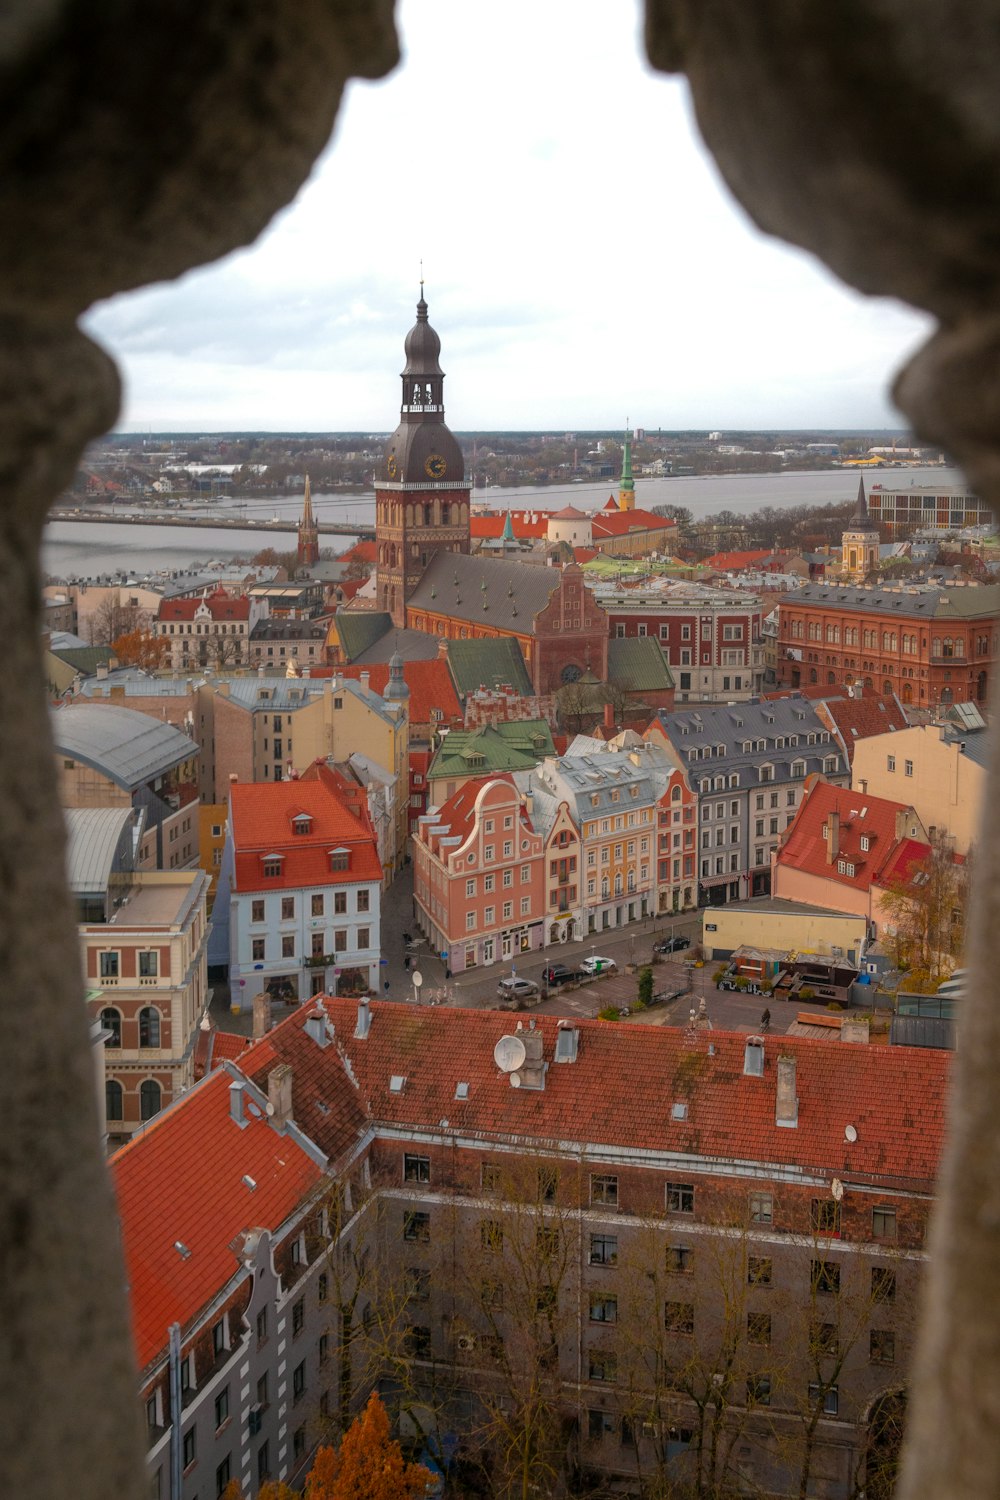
point(307, 551)
point(626, 488)
point(860, 516)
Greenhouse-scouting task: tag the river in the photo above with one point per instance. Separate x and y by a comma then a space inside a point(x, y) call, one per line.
point(100, 547)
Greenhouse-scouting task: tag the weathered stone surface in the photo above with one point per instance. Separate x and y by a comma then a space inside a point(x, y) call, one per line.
point(868, 132)
point(136, 141)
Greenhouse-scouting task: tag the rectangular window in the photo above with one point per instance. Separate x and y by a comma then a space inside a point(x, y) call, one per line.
point(417, 1227)
point(829, 1396)
point(418, 1284)
point(759, 1270)
point(287, 908)
point(317, 945)
point(364, 901)
point(416, 1168)
point(340, 903)
point(603, 1309)
point(603, 1249)
point(262, 1326)
point(883, 1223)
point(340, 940)
point(825, 1216)
point(680, 1258)
point(316, 905)
point(190, 1446)
point(882, 1346)
point(298, 1316)
point(222, 1408)
point(288, 946)
point(758, 1390)
point(299, 1381)
point(257, 949)
point(220, 1341)
point(758, 1328)
point(825, 1277)
point(364, 938)
point(603, 1190)
point(148, 964)
point(883, 1284)
point(222, 1476)
point(263, 1462)
point(109, 965)
point(491, 1177)
point(491, 1235)
point(470, 888)
point(824, 1340)
point(680, 1198)
point(761, 1208)
point(602, 1365)
point(678, 1317)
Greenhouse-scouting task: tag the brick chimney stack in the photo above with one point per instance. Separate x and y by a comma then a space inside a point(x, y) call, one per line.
point(786, 1103)
point(279, 1094)
point(261, 1014)
point(832, 836)
point(609, 716)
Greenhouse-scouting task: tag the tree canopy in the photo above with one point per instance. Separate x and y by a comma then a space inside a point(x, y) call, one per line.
point(368, 1465)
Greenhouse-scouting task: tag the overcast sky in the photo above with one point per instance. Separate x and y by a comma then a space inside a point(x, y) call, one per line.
point(583, 262)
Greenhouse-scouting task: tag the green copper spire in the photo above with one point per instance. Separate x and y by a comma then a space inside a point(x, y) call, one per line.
point(628, 483)
point(507, 535)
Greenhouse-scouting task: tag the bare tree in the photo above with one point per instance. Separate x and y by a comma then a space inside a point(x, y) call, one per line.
point(112, 619)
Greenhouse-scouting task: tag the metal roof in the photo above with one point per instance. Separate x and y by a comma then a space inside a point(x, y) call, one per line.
point(93, 836)
point(129, 748)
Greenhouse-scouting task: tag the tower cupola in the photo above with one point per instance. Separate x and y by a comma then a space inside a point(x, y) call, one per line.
point(422, 449)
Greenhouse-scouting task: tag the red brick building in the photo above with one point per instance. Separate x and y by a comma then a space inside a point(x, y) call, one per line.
point(929, 646)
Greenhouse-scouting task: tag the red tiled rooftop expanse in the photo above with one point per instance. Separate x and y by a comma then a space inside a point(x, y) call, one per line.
point(429, 682)
point(619, 1092)
point(182, 1182)
point(861, 817)
point(262, 814)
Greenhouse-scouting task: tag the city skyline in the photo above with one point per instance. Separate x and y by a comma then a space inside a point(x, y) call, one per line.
point(583, 264)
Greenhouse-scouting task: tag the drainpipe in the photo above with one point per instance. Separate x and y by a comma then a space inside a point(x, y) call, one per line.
point(176, 1415)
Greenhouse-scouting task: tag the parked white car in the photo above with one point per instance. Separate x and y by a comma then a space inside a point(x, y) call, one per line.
point(598, 965)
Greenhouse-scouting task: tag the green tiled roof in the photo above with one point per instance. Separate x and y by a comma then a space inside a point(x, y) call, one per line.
point(361, 628)
point(638, 665)
point(488, 663)
point(509, 746)
point(85, 659)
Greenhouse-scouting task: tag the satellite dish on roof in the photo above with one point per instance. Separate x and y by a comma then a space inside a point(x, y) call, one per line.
point(417, 978)
point(515, 1080)
point(837, 1189)
point(509, 1053)
point(850, 1133)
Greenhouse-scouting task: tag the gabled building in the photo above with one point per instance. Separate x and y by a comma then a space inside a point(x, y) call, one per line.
point(477, 876)
point(940, 769)
point(464, 755)
point(213, 631)
point(859, 715)
point(845, 848)
point(748, 764)
point(300, 890)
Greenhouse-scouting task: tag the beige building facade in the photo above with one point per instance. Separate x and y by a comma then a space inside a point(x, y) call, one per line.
point(937, 769)
point(788, 927)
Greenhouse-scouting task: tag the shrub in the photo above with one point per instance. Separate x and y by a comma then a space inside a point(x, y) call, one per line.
point(806, 994)
point(644, 989)
point(609, 1013)
point(719, 974)
point(834, 1005)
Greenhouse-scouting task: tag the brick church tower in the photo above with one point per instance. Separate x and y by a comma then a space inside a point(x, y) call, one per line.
point(307, 549)
point(421, 493)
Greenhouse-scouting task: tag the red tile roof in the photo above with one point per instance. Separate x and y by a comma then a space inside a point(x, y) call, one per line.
point(525, 524)
point(430, 684)
point(617, 522)
point(220, 605)
point(360, 552)
point(858, 718)
point(861, 816)
point(625, 1081)
point(261, 823)
point(734, 562)
point(182, 1181)
point(584, 554)
point(213, 1046)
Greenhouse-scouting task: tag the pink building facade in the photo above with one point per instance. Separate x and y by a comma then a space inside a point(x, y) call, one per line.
point(478, 877)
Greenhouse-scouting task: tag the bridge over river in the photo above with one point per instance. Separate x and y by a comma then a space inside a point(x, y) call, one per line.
point(215, 522)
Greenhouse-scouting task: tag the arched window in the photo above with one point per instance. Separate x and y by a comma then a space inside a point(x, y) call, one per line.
point(111, 1021)
point(675, 795)
point(887, 689)
point(150, 1095)
point(812, 674)
point(113, 1100)
point(947, 695)
point(831, 677)
point(149, 1027)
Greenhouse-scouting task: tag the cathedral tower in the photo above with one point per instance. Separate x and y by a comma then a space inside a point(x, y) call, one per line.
point(421, 492)
point(307, 550)
point(859, 543)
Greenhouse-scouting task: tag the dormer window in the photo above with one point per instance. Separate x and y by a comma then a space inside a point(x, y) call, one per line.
point(302, 823)
point(340, 859)
point(272, 866)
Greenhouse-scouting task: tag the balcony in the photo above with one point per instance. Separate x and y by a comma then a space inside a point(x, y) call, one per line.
point(323, 960)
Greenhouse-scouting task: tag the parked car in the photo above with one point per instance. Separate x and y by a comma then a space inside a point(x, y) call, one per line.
point(518, 989)
point(560, 974)
point(597, 965)
point(671, 944)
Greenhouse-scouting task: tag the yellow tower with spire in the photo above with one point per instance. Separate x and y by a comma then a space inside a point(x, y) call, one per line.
point(626, 487)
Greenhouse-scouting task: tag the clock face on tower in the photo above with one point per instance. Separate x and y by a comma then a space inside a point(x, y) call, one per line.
point(391, 466)
point(435, 466)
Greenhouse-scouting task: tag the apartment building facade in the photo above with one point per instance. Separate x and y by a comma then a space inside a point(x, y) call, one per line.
point(478, 876)
point(300, 888)
point(930, 646)
point(712, 638)
point(747, 764)
point(211, 631)
point(606, 1259)
point(146, 977)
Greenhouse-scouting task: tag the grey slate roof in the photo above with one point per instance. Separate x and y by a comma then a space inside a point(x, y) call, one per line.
point(129, 748)
point(361, 628)
point(966, 603)
point(489, 590)
point(488, 663)
point(412, 645)
point(94, 834)
point(719, 737)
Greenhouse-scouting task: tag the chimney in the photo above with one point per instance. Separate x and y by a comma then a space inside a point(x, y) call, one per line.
point(442, 649)
point(261, 1014)
point(102, 669)
point(236, 1091)
point(233, 777)
point(315, 1027)
point(832, 835)
point(786, 1104)
point(279, 1094)
point(854, 1030)
point(364, 1019)
point(901, 817)
point(609, 716)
